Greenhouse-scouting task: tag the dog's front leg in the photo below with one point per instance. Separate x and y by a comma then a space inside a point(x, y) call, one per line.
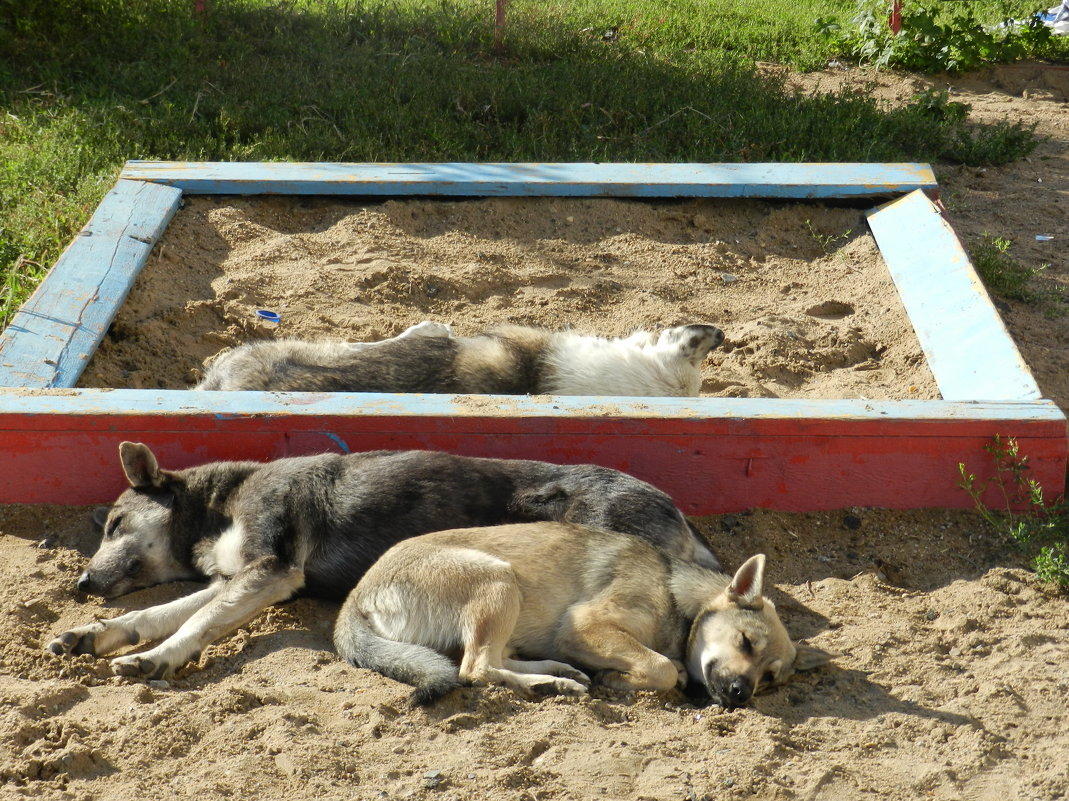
point(144, 625)
point(257, 586)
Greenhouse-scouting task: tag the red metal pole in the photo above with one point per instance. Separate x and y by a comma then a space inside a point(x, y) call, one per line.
point(895, 20)
point(499, 23)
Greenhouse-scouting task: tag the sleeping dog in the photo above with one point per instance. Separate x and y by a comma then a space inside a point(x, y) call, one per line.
point(261, 532)
point(508, 360)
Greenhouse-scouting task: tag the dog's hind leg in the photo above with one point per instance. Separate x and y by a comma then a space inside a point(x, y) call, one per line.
point(547, 666)
point(491, 615)
point(253, 589)
point(143, 625)
point(425, 329)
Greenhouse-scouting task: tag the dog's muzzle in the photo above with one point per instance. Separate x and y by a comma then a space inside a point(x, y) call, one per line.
point(733, 694)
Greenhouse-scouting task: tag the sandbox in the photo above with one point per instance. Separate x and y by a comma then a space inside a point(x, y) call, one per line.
point(862, 362)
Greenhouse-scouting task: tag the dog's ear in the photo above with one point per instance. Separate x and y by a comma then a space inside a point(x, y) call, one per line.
point(808, 657)
point(747, 585)
point(100, 516)
point(140, 465)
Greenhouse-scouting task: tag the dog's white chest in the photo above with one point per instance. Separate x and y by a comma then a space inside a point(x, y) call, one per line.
point(226, 558)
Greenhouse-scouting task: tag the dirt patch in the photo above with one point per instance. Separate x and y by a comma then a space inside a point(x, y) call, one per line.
point(805, 300)
point(950, 684)
point(950, 680)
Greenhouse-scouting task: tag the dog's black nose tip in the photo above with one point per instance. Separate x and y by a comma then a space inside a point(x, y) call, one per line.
point(739, 692)
point(85, 581)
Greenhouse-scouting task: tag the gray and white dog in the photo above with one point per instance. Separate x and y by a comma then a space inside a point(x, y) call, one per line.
point(507, 360)
point(261, 532)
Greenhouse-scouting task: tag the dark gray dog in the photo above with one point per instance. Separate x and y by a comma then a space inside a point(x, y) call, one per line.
point(263, 531)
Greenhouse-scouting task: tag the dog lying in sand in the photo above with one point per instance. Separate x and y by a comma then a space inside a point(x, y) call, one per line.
point(261, 532)
point(532, 606)
point(507, 360)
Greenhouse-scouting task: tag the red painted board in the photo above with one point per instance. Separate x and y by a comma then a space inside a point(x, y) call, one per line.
point(708, 465)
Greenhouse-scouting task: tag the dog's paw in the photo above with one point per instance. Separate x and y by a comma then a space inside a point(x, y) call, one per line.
point(557, 686)
point(578, 676)
point(96, 639)
point(140, 666)
point(75, 642)
point(681, 669)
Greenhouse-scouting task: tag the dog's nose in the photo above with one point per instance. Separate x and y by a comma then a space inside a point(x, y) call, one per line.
point(85, 581)
point(739, 692)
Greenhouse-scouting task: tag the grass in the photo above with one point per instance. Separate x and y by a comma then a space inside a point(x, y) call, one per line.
point(1000, 272)
point(87, 84)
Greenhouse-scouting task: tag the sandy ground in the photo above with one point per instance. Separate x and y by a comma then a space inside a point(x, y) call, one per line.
point(800, 290)
point(950, 677)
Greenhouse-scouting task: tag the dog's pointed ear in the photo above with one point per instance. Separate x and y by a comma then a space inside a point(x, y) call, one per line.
point(140, 465)
point(100, 516)
point(809, 658)
point(747, 586)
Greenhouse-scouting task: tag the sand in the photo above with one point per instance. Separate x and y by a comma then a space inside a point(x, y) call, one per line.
point(950, 678)
point(800, 290)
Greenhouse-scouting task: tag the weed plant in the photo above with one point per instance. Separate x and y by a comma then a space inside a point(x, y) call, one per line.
point(937, 36)
point(1042, 532)
point(1000, 272)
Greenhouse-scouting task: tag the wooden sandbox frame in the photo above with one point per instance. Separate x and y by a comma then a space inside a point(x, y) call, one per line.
point(59, 444)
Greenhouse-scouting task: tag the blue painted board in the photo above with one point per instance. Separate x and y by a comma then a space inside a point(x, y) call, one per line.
point(576, 180)
point(52, 337)
point(968, 349)
point(253, 406)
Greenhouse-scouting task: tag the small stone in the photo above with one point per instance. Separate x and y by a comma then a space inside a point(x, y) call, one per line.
point(159, 684)
point(852, 522)
point(728, 278)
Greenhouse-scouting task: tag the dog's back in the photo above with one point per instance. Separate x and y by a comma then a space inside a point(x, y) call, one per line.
point(417, 364)
point(505, 362)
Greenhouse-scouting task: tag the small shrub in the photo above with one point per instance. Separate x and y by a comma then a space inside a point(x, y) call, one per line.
point(934, 37)
point(1043, 531)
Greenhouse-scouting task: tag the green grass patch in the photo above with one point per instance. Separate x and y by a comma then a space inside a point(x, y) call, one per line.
point(1003, 274)
point(87, 84)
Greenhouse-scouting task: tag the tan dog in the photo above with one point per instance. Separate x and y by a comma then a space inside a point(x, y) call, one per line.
point(564, 596)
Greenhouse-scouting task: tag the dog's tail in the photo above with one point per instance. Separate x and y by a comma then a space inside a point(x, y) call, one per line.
point(431, 673)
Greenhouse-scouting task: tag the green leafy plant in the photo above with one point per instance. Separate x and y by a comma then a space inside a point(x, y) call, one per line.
point(935, 37)
point(827, 242)
point(1042, 531)
point(1000, 272)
